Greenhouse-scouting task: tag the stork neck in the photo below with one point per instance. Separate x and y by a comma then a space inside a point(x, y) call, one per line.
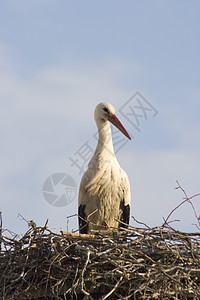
point(105, 137)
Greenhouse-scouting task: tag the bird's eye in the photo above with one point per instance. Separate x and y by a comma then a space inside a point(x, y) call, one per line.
point(105, 109)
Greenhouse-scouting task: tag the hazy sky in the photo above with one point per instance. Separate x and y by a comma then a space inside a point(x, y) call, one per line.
point(58, 60)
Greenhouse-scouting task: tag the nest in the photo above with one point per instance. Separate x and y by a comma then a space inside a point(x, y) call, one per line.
point(136, 263)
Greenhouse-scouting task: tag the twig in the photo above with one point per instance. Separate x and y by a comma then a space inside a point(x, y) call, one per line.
point(141, 223)
point(114, 289)
point(0, 229)
point(186, 200)
point(22, 218)
point(189, 200)
point(83, 271)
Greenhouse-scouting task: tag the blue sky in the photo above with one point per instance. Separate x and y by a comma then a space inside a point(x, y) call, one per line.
point(58, 60)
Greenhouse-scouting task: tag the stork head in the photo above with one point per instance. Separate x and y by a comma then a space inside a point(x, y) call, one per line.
point(106, 112)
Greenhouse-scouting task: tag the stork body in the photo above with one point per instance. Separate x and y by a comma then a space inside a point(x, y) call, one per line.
point(104, 194)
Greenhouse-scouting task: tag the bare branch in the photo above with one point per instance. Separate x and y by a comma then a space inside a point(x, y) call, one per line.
point(141, 223)
point(187, 199)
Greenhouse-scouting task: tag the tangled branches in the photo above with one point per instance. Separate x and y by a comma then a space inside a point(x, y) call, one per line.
point(133, 264)
point(136, 263)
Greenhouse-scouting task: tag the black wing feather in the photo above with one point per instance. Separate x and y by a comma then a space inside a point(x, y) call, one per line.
point(125, 215)
point(83, 225)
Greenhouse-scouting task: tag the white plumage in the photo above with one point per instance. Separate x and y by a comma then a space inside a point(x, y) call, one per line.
point(104, 194)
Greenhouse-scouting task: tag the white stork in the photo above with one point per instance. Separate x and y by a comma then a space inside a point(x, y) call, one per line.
point(104, 193)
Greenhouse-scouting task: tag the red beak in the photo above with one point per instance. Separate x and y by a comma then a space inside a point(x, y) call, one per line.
point(116, 122)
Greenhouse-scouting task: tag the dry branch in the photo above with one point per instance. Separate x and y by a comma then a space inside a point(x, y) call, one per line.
point(138, 263)
point(186, 199)
point(133, 263)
